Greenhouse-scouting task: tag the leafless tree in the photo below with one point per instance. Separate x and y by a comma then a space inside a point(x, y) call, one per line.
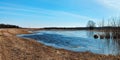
point(91, 24)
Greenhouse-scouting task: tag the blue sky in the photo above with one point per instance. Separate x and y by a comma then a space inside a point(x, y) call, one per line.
point(56, 13)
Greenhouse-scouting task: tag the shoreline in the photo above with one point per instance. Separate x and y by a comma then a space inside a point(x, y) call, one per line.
point(13, 47)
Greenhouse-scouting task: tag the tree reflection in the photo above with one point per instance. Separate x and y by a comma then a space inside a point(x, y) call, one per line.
point(111, 43)
point(90, 33)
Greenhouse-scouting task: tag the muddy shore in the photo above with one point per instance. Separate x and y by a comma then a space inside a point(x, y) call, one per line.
point(16, 48)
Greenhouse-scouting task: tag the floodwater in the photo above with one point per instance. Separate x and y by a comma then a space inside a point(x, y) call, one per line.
point(77, 41)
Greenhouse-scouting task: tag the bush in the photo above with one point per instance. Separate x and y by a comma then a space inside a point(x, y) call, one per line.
point(8, 26)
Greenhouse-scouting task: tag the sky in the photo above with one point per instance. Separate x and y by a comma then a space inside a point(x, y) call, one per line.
point(57, 13)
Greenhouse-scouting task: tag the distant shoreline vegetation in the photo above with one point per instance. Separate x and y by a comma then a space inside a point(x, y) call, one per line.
point(81, 28)
point(8, 26)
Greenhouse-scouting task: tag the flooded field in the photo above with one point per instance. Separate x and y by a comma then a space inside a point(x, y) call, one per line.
point(77, 41)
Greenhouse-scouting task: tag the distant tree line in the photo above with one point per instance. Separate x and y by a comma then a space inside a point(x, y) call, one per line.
point(8, 26)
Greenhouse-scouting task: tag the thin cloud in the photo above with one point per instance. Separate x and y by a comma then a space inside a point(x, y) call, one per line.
point(37, 12)
point(113, 4)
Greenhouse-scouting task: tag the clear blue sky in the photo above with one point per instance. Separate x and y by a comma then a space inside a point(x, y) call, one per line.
point(56, 13)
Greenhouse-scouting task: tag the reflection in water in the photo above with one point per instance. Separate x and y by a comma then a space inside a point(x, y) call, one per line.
point(90, 33)
point(78, 42)
point(111, 44)
point(116, 46)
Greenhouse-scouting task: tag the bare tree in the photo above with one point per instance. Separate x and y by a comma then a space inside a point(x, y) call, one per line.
point(113, 22)
point(103, 23)
point(91, 24)
point(118, 22)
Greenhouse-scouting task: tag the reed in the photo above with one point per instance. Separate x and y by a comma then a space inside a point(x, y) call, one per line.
point(111, 29)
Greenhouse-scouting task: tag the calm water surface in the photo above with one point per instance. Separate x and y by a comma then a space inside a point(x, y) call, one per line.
point(77, 40)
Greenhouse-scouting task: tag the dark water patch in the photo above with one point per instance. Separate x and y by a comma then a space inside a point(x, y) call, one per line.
point(58, 40)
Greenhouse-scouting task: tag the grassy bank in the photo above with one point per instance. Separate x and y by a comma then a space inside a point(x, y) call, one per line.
point(16, 48)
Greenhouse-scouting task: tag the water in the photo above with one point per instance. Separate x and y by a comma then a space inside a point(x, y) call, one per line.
point(77, 40)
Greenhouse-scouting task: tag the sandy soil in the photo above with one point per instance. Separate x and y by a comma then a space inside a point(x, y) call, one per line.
point(16, 48)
